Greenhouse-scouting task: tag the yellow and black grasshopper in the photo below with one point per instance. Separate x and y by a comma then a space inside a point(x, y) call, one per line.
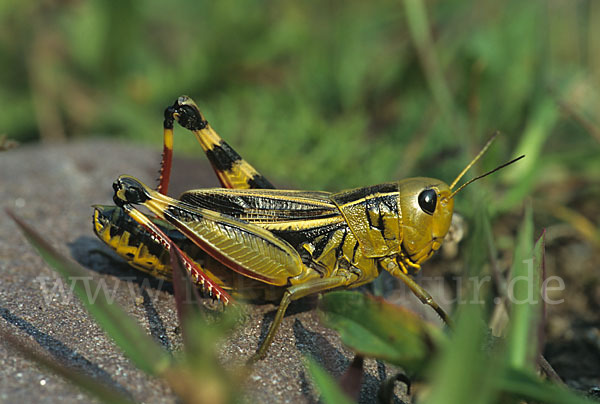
point(301, 242)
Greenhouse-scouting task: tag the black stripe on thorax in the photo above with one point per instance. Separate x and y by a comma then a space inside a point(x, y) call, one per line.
point(380, 206)
point(339, 250)
point(354, 250)
point(319, 236)
point(360, 193)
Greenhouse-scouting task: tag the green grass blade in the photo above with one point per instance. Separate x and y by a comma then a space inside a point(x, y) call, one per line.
point(199, 377)
point(522, 177)
point(127, 334)
point(331, 393)
point(181, 288)
point(87, 383)
point(374, 328)
point(201, 337)
point(539, 127)
point(187, 298)
point(538, 311)
point(524, 293)
point(465, 372)
point(528, 386)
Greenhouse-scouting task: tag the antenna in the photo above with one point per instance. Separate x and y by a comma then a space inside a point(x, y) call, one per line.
point(464, 171)
point(483, 175)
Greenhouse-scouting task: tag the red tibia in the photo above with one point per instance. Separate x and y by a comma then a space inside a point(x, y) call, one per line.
point(166, 162)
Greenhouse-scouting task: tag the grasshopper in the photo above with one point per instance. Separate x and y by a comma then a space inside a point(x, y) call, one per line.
point(300, 242)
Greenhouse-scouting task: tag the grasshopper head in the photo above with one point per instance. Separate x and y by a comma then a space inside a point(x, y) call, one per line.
point(427, 205)
point(129, 190)
point(427, 209)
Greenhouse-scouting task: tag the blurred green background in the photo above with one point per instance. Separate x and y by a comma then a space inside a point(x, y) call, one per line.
point(322, 94)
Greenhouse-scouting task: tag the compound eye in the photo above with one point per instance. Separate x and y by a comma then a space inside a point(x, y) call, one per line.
point(428, 201)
